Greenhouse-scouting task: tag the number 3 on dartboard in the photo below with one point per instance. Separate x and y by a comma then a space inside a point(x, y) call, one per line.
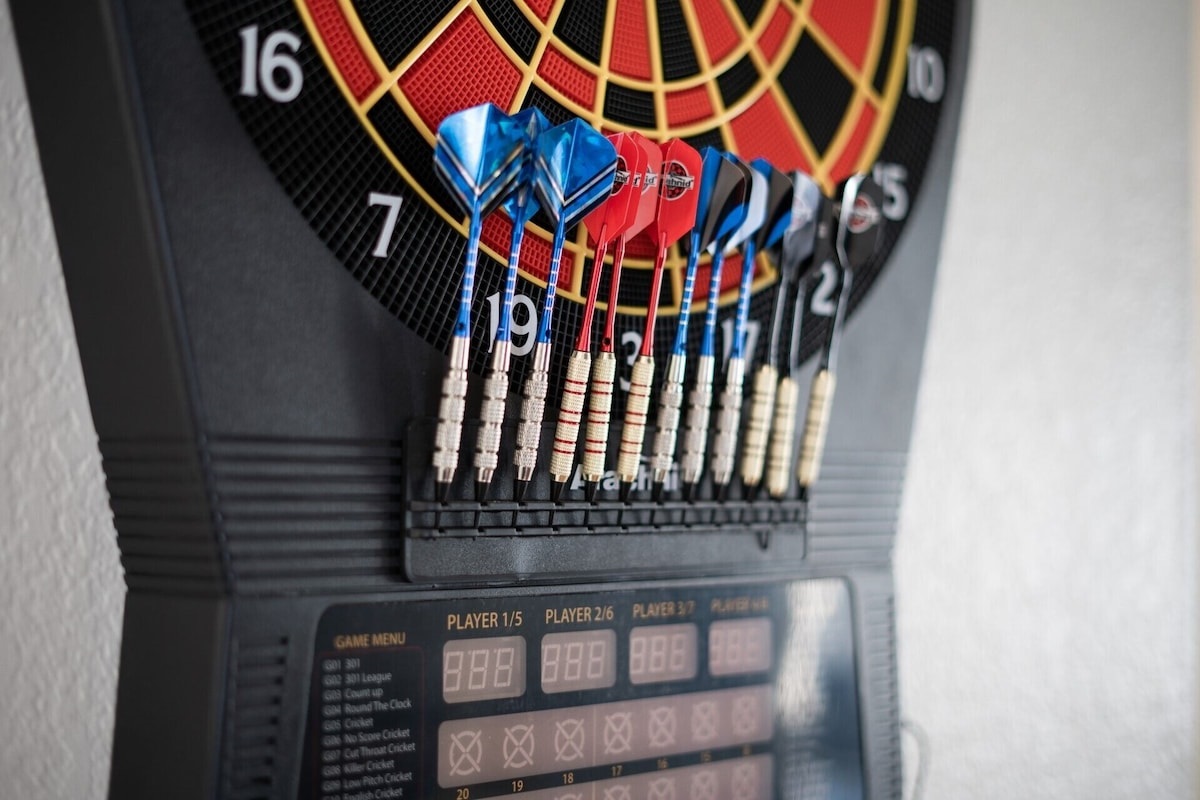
point(273, 68)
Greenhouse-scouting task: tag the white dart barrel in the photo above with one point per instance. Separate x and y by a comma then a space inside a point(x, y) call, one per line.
point(695, 430)
point(729, 419)
point(783, 433)
point(595, 443)
point(816, 425)
point(450, 412)
point(758, 425)
point(491, 414)
point(570, 414)
point(669, 404)
point(637, 408)
point(533, 411)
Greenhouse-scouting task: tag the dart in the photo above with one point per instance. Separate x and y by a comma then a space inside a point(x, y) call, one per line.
point(695, 430)
point(477, 156)
point(668, 211)
point(574, 170)
point(776, 211)
point(608, 222)
point(718, 212)
point(604, 369)
point(520, 205)
point(775, 392)
point(857, 234)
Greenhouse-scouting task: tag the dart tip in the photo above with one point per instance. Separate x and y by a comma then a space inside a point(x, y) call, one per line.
point(626, 491)
point(803, 493)
point(520, 488)
point(689, 492)
point(442, 492)
point(557, 491)
point(481, 491)
point(751, 490)
point(589, 491)
point(658, 491)
point(722, 492)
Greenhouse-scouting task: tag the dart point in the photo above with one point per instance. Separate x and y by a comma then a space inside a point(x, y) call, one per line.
point(658, 491)
point(689, 492)
point(626, 491)
point(556, 492)
point(442, 492)
point(520, 488)
point(589, 491)
point(481, 491)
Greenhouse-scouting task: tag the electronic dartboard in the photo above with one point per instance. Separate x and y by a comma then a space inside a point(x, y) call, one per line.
point(291, 232)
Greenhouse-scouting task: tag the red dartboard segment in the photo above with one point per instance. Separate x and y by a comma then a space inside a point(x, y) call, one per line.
point(568, 77)
point(720, 37)
point(775, 33)
point(344, 48)
point(756, 135)
point(688, 105)
point(462, 68)
point(632, 58)
point(849, 23)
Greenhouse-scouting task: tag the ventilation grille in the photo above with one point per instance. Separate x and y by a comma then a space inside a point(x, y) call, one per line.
point(253, 713)
point(879, 629)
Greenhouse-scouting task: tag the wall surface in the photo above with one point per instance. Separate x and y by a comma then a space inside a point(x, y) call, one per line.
point(1047, 551)
point(61, 593)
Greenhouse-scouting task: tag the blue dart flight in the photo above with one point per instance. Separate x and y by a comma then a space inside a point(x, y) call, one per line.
point(520, 206)
point(477, 156)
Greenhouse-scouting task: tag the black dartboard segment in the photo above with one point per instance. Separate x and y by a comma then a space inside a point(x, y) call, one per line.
point(343, 100)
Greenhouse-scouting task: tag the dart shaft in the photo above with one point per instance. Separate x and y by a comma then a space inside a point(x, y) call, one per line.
point(637, 406)
point(758, 424)
point(670, 404)
point(533, 410)
point(729, 419)
point(816, 425)
point(462, 325)
point(595, 443)
point(450, 412)
point(695, 430)
point(783, 432)
point(742, 314)
point(570, 414)
point(685, 298)
point(491, 414)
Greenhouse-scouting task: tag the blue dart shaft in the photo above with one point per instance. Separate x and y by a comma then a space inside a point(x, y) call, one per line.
point(495, 387)
point(708, 343)
point(556, 248)
point(685, 301)
point(504, 327)
point(743, 302)
point(462, 326)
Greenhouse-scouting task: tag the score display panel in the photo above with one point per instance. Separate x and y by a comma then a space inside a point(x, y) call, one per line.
point(261, 267)
point(731, 691)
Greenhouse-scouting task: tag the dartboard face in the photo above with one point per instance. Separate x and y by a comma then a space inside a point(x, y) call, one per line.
point(343, 99)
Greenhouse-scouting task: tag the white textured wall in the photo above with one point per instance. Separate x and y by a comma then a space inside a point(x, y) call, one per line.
point(1046, 560)
point(61, 593)
point(1047, 553)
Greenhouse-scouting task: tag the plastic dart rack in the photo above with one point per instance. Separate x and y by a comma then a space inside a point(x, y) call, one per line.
point(263, 270)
